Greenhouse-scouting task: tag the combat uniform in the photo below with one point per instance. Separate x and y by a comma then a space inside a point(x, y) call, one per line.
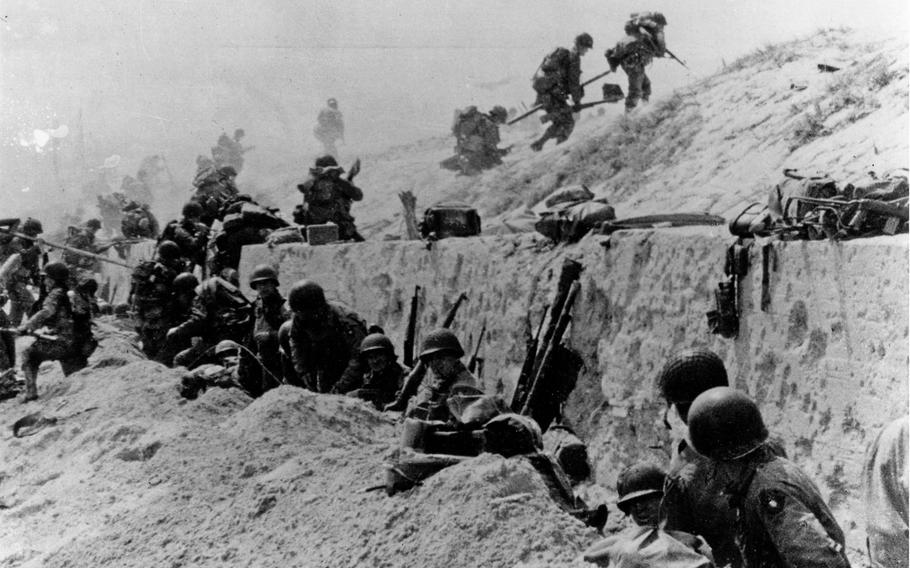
point(430, 402)
point(269, 314)
point(151, 301)
point(329, 128)
point(378, 388)
point(220, 311)
point(782, 520)
point(477, 141)
point(331, 354)
point(138, 222)
point(56, 315)
point(84, 310)
point(23, 273)
point(643, 42)
point(326, 198)
point(191, 236)
point(886, 479)
point(558, 78)
point(693, 502)
point(80, 266)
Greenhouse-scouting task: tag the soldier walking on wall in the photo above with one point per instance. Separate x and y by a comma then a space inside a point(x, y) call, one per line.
point(557, 79)
point(781, 519)
point(327, 198)
point(643, 42)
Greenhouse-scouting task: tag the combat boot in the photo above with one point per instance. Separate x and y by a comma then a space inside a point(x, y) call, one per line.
point(537, 146)
point(31, 383)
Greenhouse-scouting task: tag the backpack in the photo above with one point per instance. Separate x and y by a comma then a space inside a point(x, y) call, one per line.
point(569, 221)
point(453, 219)
point(464, 122)
point(796, 186)
point(150, 283)
point(549, 74)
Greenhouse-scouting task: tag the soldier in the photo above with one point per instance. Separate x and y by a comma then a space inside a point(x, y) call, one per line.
point(441, 352)
point(183, 292)
point(230, 152)
point(85, 308)
point(693, 501)
point(781, 519)
point(643, 42)
point(214, 189)
point(190, 234)
point(111, 208)
point(329, 127)
point(56, 315)
point(477, 139)
point(138, 222)
point(324, 339)
point(82, 238)
point(220, 311)
point(885, 488)
point(20, 267)
point(640, 488)
point(557, 79)
point(327, 197)
point(383, 374)
point(269, 313)
point(150, 298)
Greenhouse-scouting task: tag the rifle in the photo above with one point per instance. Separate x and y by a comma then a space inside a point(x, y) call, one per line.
point(413, 380)
point(355, 169)
point(410, 334)
point(70, 249)
point(678, 60)
point(450, 316)
point(538, 107)
point(571, 270)
point(473, 361)
point(549, 356)
point(578, 108)
point(527, 367)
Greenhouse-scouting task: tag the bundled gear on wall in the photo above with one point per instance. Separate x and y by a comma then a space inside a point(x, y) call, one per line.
point(723, 320)
point(573, 212)
point(449, 219)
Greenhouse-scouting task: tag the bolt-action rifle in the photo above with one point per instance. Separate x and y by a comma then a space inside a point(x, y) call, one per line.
point(678, 60)
point(413, 380)
point(411, 332)
point(69, 249)
point(538, 107)
point(475, 359)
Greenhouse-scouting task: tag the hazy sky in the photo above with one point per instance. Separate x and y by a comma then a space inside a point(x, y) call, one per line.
point(138, 77)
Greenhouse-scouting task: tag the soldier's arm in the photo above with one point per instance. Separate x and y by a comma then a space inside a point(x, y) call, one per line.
point(353, 374)
point(799, 537)
point(350, 190)
point(48, 310)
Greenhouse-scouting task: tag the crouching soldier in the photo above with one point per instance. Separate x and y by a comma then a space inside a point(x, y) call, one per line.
point(324, 339)
point(85, 307)
point(640, 488)
point(441, 352)
point(56, 315)
point(224, 374)
point(220, 311)
point(383, 375)
point(269, 313)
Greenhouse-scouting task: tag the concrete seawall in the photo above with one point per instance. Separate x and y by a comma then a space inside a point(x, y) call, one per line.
point(827, 359)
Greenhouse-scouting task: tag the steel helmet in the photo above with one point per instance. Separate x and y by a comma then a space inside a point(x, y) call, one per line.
point(638, 481)
point(326, 162)
point(376, 342)
point(499, 113)
point(725, 424)
point(184, 282)
point(689, 373)
point(192, 209)
point(57, 271)
point(584, 40)
point(262, 273)
point(93, 224)
point(306, 295)
point(441, 341)
point(32, 227)
point(226, 345)
point(332, 103)
point(168, 250)
point(659, 18)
